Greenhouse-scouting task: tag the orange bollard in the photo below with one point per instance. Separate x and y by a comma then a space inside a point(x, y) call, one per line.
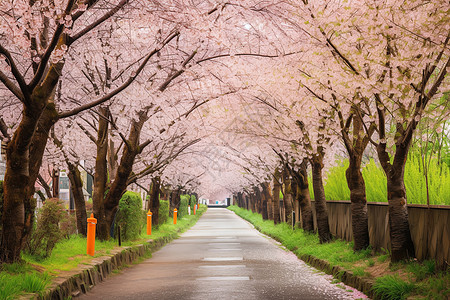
point(149, 222)
point(195, 208)
point(90, 249)
point(175, 212)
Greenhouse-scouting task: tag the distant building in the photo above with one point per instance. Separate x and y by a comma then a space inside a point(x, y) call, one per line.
point(2, 169)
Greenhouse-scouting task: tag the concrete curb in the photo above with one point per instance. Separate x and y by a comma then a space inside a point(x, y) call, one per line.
point(82, 279)
point(362, 284)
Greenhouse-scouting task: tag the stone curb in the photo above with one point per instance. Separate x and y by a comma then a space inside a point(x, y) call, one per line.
point(362, 284)
point(79, 282)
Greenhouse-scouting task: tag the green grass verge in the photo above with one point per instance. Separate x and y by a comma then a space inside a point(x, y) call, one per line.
point(392, 287)
point(419, 279)
point(17, 279)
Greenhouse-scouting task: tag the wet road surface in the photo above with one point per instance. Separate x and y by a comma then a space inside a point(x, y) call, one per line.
point(221, 257)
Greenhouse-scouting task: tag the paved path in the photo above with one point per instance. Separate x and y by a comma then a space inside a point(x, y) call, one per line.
point(221, 257)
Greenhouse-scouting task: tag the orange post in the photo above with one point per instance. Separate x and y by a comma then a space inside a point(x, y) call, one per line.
point(149, 222)
point(90, 249)
point(195, 208)
point(175, 212)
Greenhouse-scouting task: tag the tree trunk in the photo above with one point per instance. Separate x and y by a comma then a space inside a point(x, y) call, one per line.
point(113, 164)
point(320, 201)
point(110, 202)
point(276, 197)
point(101, 175)
point(77, 190)
point(175, 201)
point(238, 197)
point(18, 209)
point(355, 182)
point(251, 201)
point(263, 201)
point(154, 200)
point(269, 199)
point(22, 168)
point(118, 187)
point(288, 197)
point(402, 246)
point(304, 198)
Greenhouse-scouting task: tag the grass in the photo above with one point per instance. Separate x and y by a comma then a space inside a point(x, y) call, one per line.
point(392, 280)
point(391, 287)
point(376, 190)
point(20, 278)
point(17, 279)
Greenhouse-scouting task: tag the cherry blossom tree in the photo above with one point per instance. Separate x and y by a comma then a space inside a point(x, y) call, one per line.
point(33, 44)
point(389, 69)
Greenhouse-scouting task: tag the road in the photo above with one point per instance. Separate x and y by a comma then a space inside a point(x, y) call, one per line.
point(221, 257)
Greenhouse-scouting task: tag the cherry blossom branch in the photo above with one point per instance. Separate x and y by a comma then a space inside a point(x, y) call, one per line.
point(19, 78)
point(243, 54)
point(197, 105)
point(89, 135)
point(11, 86)
point(156, 167)
point(423, 102)
point(97, 22)
point(53, 43)
point(44, 185)
point(177, 73)
point(4, 129)
point(121, 87)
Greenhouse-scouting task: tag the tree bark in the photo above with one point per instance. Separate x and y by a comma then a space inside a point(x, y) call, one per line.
point(288, 197)
point(356, 184)
point(263, 201)
point(76, 186)
point(175, 201)
point(269, 199)
point(154, 200)
point(320, 201)
point(304, 198)
point(276, 196)
point(101, 175)
point(402, 246)
point(355, 145)
point(20, 176)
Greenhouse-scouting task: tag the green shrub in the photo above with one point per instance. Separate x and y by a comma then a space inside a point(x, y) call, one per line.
point(48, 231)
point(163, 211)
point(129, 216)
point(392, 287)
point(193, 201)
point(184, 203)
point(68, 225)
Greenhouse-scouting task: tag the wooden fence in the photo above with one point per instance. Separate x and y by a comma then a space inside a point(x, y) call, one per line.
point(430, 227)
